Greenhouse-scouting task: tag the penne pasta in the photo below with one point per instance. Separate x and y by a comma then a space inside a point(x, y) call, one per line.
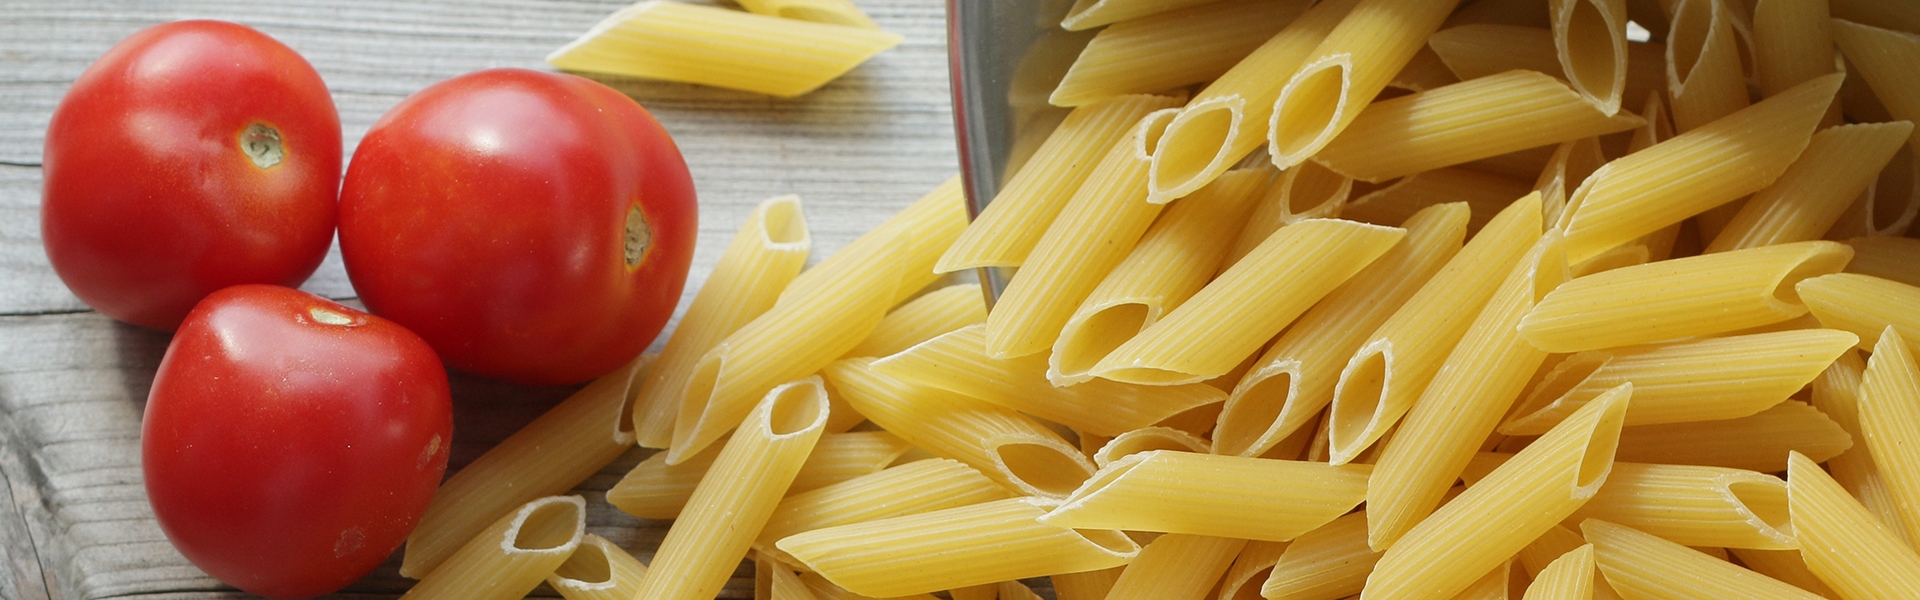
point(1521, 13)
point(1147, 439)
point(1590, 38)
point(763, 257)
point(1696, 170)
point(1088, 14)
point(1423, 72)
point(913, 488)
point(1570, 576)
point(1328, 563)
point(1243, 308)
point(1889, 416)
point(924, 318)
point(1862, 304)
point(1514, 165)
point(1755, 443)
point(1885, 59)
point(724, 48)
point(1893, 15)
point(1792, 43)
point(1700, 295)
point(1213, 495)
point(1555, 543)
point(1837, 394)
point(1705, 80)
point(1640, 565)
point(1176, 566)
point(657, 490)
point(1695, 505)
point(1888, 206)
point(1250, 570)
point(1466, 121)
point(1478, 50)
point(1397, 202)
point(1308, 191)
point(1842, 543)
point(1785, 566)
point(781, 583)
point(1086, 585)
point(838, 12)
point(957, 547)
point(598, 570)
point(1573, 162)
point(1809, 198)
point(1171, 49)
point(510, 557)
point(1885, 257)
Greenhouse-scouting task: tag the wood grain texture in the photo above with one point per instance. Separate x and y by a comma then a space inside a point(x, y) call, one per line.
point(74, 520)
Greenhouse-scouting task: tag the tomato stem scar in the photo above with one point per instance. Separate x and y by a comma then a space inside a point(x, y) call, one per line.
point(639, 236)
point(261, 143)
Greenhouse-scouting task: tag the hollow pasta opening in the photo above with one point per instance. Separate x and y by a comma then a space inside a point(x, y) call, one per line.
point(547, 526)
point(1307, 111)
point(796, 407)
point(1357, 402)
point(588, 565)
point(1042, 467)
point(1096, 337)
point(1254, 412)
point(1209, 124)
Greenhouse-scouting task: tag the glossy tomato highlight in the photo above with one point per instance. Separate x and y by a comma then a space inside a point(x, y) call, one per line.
point(194, 155)
point(533, 227)
point(290, 443)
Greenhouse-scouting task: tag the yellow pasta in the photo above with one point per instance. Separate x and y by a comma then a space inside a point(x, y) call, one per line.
point(1210, 494)
point(763, 257)
point(924, 318)
point(1295, 379)
point(1696, 170)
point(1792, 42)
point(1885, 59)
point(1250, 570)
point(1147, 439)
point(1308, 191)
point(839, 12)
point(1573, 162)
point(1786, 566)
point(1569, 577)
point(1837, 166)
point(1705, 80)
point(781, 582)
point(1086, 585)
point(1088, 14)
point(1327, 563)
point(912, 488)
point(1640, 565)
point(1423, 72)
point(1248, 304)
point(657, 490)
point(957, 547)
point(1862, 304)
point(1176, 566)
point(1891, 258)
point(1466, 121)
point(1683, 297)
point(1495, 518)
point(510, 557)
point(1841, 541)
point(598, 570)
point(1171, 49)
point(1756, 443)
point(1394, 204)
point(1555, 543)
point(1479, 50)
point(1889, 405)
point(1590, 38)
point(1889, 206)
point(1694, 380)
point(1695, 505)
point(714, 46)
point(1345, 72)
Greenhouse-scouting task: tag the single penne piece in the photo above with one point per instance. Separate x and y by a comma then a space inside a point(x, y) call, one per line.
point(1394, 204)
point(1243, 308)
point(1755, 443)
point(1573, 162)
point(1640, 565)
point(1555, 543)
point(1171, 49)
point(1886, 257)
point(1308, 191)
point(1466, 121)
point(1841, 541)
point(1328, 563)
point(1094, 232)
point(655, 489)
point(1479, 50)
point(1086, 585)
point(763, 257)
point(1250, 570)
point(1705, 80)
point(1889, 405)
point(1210, 494)
point(1837, 166)
point(1464, 402)
point(1295, 379)
point(1694, 380)
point(563, 447)
point(719, 47)
point(1008, 227)
point(1863, 304)
point(598, 570)
point(510, 557)
point(782, 583)
point(838, 12)
point(1695, 505)
point(1567, 577)
point(1696, 170)
point(1351, 66)
point(738, 494)
point(1792, 42)
point(1174, 259)
point(1590, 38)
point(1176, 566)
point(1670, 299)
point(913, 488)
point(1885, 59)
point(1228, 120)
point(918, 233)
point(1384, 378)
point(989, 542)
point(1147, 439)
point(1088, 14)
point(924, 318)
point(1888, 206)
point(958, 362)
point(1837, 394)
point(1785, 566)
point(1497, 517)
point(1009, 448)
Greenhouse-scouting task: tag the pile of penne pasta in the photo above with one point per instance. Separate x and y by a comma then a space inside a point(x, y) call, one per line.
point(1494, 335)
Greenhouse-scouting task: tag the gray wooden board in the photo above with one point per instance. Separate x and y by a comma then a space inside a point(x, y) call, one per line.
point(75, 522)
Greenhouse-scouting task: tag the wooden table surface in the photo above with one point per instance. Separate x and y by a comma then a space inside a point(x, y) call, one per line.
point(74, 520)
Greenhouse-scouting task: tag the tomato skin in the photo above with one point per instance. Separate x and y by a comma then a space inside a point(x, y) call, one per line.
point(288, 455)
point(489, 213)
point(150, 201)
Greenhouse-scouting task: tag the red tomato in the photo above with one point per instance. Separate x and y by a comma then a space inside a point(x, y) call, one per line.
point(194, 155)
point(291, 443)
point(534, 227)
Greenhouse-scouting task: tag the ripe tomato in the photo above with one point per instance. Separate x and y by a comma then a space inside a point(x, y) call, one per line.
point(194, 155)
point(533, 227)
point(290, 443)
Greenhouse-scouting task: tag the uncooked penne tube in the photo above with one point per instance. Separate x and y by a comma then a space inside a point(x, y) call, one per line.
point(1009, 448)
point(1590, 38)
point(1670, 299)
point(1786, 566)
point(1694, 505)
point(598, 570)
point(1842, 542)
point(781, 583)
point(1862, 304)
point(1308, 191)
point(1479, 50)
point(1837, 394)
point(1885, 59)
point(1086, 585)
point(1573, 162)
point(1889, 206)
point(957, 547)
point(924, 318)
point(763, 257)
point(1705, 80)
point(1243, 308)
point(1250, 570)
point(1554, 544)
point(1756, 443)
point(657, 490)
point(1176, 566)
point(1642, 565)
point(1210, 494)
point(1351, 66)
point(1837, 166)
point(719, 47)
point(1570, 576)
point(1692, 380)
point(1394, 204)
point(1696, 170)
point(1495, 518)
point(510, 557)
point(1792, 42)
point(1889, 405)
point(1886, 257)
point(913, 488)
point(1466, 121)
point(1171, 49)
point(1147, 439)
point(838, 12)
point(1295, 379)
point(1327, 563)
